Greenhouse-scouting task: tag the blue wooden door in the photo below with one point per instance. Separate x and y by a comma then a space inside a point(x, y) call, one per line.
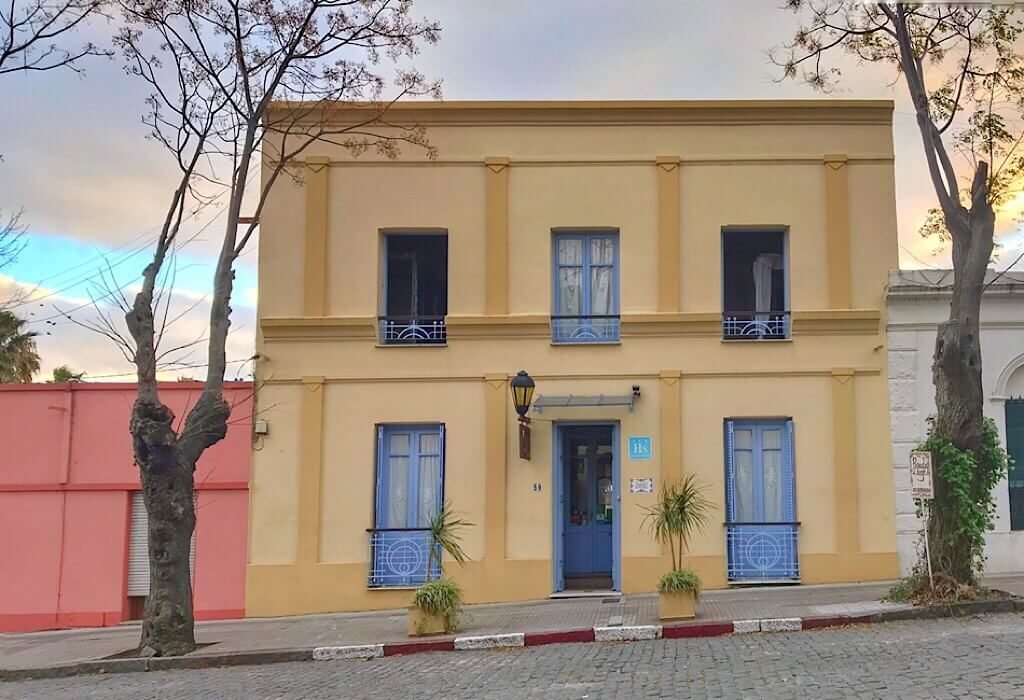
point(589, 503)
point(761, 524)
point(410, 483)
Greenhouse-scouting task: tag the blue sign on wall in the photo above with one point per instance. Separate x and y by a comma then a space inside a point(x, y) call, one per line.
point(640, 448)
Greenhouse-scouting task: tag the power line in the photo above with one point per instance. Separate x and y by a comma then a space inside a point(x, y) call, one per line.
point(175, 367)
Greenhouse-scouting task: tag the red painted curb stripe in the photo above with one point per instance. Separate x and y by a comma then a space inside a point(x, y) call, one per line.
point(418, 647)
point(696, 629)
point(533, 639)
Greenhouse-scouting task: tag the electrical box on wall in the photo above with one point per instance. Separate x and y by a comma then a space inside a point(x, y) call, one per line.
point(261, 427)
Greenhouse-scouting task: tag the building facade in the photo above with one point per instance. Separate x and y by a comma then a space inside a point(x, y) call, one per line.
point(695, 287)
point(73, 547)
point(918, 302)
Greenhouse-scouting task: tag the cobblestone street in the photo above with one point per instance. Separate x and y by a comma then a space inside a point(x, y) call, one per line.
point(967, 658)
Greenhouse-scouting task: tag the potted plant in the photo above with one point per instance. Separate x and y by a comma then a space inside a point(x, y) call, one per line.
point(436, 604)
point(681, 510)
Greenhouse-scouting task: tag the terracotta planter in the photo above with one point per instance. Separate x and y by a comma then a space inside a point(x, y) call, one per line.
point(423, 624)
point(677, 605)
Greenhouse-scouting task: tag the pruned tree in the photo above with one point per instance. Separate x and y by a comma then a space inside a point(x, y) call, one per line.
point(65, 374)
point(19, 357)
point(963, 68)
point(217, 69)
point(32, 31)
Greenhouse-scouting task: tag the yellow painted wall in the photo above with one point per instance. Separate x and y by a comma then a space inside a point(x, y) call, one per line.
point(325, 383)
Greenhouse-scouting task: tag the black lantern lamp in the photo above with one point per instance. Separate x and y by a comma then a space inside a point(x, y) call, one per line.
point(522, 393)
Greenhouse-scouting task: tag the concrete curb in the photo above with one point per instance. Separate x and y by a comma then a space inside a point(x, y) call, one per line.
point(682, 630)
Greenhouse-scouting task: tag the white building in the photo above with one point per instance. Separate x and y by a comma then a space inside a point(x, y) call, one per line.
point(918, 300)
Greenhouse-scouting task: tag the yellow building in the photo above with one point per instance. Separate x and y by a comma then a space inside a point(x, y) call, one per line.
point(694, 287)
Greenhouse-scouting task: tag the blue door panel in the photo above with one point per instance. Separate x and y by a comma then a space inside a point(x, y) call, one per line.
point(587, 515)
point(761, 529)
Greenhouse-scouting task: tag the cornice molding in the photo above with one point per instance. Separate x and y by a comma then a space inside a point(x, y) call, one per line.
point(821, 322)
point(616, 112)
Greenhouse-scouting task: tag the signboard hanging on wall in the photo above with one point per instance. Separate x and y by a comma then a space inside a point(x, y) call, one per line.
point(921, 475)
point(524, 441)
point(640, 448)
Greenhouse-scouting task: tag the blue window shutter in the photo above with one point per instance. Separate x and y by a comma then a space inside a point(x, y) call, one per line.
point(788, 473)
point(381, 496)
point(730, 472)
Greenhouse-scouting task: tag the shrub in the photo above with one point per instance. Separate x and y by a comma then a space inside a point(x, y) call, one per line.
point(680, 581)
point(441, 597)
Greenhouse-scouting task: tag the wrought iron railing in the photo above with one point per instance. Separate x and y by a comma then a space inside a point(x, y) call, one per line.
point(412, 330)
point(585, 329)
point(760, 552)
point(755, 325)
point(398, 557)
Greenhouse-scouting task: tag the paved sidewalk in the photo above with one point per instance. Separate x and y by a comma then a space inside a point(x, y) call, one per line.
point(43, 649)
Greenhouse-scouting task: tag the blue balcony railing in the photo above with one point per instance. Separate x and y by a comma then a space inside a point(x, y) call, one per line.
point(412, 330)
point(754, 325)
point(398, 557)
point(585, 329)
point(759, 552)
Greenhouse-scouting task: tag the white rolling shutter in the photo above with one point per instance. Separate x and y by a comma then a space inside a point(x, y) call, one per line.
point(138, 549)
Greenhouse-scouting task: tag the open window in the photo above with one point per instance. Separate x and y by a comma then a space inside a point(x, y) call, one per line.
point(754, 282)
point(415, 294)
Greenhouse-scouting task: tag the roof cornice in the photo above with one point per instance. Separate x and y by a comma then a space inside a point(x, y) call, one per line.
point(618, 112)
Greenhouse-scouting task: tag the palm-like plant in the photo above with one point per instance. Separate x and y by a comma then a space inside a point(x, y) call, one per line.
point(681, 510)
point(446, 534)
point(19, 358)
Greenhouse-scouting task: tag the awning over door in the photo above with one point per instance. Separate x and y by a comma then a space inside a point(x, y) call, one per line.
point(582, 401)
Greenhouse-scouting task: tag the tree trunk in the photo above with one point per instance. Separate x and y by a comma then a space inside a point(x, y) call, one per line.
point(167, 488)
point(956, 373)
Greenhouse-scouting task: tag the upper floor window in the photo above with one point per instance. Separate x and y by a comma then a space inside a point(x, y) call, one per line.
point(415, 295)
point(754, 285)
point(586, 288)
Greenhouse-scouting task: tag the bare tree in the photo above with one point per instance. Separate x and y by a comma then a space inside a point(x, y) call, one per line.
point(963, 69)
point(31, 31)
point(233, 81)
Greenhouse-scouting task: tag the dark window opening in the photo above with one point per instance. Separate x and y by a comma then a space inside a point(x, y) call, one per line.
point(1015, 448)
point(754, 285)
point(416, 290)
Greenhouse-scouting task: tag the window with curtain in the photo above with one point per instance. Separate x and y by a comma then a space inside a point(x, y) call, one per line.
point(754, 284)
point(760, 472)
point(761, 528)
point(410, 492)
point(586, 288)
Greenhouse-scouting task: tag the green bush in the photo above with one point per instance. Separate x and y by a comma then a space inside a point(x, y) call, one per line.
point(441, 597)
point(680, 581)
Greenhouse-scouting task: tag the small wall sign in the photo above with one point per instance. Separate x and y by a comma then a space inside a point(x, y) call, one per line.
point(641, 485)
point(640, 448)
point(921, 475)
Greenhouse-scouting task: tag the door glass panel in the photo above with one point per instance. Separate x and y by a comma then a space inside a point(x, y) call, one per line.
point(744, 494)
point(604, 490)
point(772, 485)
point(398, 503)
point(579, 494)
point(744, 439)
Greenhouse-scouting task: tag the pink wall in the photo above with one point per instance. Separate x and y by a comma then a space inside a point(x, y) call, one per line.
point(66, 477)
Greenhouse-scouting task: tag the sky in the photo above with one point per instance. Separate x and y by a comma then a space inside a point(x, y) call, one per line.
point(93, 189)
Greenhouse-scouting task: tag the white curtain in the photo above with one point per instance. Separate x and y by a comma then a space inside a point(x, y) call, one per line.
point(570, 277)
point(743, 463)
point(764, 265)
point(771, 456)
point(429, 478)
point(602, 258)
point(398, 481)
